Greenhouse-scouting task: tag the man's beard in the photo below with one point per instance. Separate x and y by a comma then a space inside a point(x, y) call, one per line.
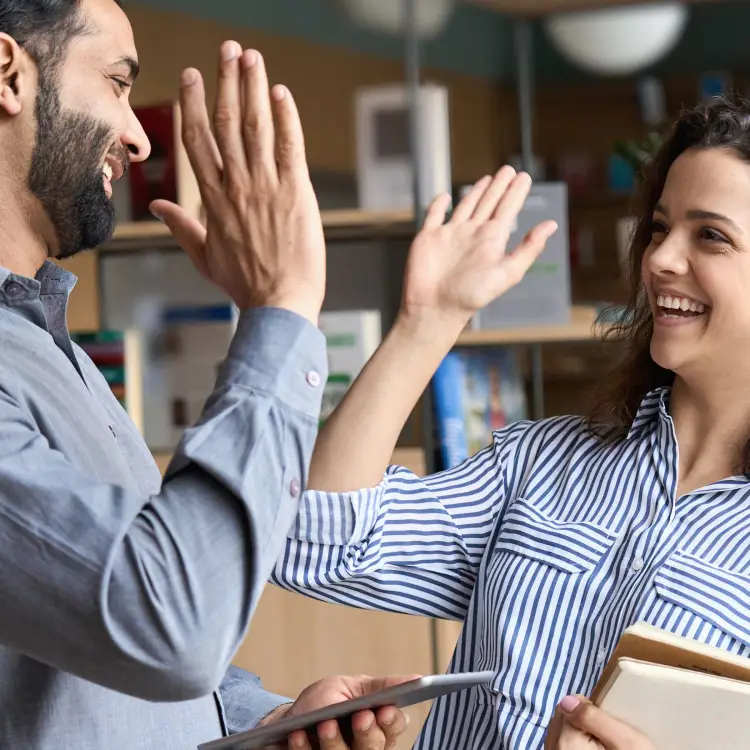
point(66, 172)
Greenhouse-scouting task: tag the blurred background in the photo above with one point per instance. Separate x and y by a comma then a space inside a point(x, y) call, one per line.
point(401, 100)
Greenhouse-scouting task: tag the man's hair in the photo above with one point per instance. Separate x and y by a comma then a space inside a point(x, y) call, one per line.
point(44, 28)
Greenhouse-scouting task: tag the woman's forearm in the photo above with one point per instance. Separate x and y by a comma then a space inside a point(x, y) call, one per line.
point(356, 444)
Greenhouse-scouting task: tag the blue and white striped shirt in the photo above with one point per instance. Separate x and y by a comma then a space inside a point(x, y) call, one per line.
point(547, 544)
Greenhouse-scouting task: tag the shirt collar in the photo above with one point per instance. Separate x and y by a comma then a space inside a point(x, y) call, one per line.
point(51, 279)
point(655, 404)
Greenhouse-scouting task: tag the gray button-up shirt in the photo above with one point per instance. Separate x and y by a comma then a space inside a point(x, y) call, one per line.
point(123, 598)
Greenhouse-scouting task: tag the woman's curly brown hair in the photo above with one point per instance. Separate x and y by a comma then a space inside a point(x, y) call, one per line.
point(721, 124)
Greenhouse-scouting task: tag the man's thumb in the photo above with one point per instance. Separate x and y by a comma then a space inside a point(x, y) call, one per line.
point(186, 229)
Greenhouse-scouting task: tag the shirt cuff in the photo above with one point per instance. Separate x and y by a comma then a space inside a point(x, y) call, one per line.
point(278, 352)
point(244, 701)
point(339, 518)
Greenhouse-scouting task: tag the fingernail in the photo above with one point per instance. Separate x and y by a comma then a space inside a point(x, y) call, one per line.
point(368, 724)
point(279, 92)
point(249, 58)
point(569, 703)
point(329, 734)
point(189, 77)
point(228, 51)
point(155, 213)
point(300, 741)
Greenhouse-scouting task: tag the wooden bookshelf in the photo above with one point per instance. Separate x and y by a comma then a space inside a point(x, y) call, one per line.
point(338, 224)
point(580, 328)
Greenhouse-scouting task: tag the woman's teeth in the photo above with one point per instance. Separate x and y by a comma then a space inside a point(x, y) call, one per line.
point(681, 304)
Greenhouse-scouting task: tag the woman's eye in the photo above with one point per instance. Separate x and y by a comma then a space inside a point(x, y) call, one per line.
point(658, 228)
point(713, 235)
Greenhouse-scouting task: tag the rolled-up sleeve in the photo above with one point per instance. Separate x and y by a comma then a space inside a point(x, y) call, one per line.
point(411, 545)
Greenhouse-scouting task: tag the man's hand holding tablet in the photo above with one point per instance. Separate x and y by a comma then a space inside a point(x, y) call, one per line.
point(367, 730)
point(348, 713)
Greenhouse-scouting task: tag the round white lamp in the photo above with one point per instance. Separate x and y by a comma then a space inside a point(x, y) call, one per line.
point(389, 16)
point(620, 40)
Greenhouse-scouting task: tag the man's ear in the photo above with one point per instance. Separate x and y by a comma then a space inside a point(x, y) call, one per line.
point(12, 66)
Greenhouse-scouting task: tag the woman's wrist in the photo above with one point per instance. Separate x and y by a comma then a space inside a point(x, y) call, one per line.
point(430, 329)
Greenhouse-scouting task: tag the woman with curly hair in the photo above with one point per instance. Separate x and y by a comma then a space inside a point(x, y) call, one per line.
point(563, 532)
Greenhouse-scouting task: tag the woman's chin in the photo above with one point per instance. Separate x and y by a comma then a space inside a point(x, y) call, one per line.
point(669, 356)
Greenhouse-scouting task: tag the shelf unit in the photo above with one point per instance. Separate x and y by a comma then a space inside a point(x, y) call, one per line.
point(345, 224)
point(580, 328)
point(354, 224)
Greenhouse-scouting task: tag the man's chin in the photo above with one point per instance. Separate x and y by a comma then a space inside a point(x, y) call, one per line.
point(90, 241)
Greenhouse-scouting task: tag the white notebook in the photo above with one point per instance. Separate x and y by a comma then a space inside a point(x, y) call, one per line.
point(683, 694)
point(679, 709)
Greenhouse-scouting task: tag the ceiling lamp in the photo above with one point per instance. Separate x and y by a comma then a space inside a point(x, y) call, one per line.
point(389, 16)
point(619, 40)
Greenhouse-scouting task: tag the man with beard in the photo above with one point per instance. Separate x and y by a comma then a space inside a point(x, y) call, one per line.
point(124, 597)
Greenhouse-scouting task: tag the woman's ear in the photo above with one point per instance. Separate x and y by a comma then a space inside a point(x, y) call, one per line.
point(11, 68)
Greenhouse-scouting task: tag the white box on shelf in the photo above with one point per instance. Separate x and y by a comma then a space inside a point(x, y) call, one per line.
point(543, 297)
point(352, 337)
point(384, 161)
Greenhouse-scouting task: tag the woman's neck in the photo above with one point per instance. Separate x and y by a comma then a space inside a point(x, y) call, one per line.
point(712, 427)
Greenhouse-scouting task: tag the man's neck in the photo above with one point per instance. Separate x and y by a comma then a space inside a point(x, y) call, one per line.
point(22, 249)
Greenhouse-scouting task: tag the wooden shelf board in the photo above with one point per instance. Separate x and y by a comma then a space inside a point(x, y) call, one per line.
point(338, 224)
point(580, 328)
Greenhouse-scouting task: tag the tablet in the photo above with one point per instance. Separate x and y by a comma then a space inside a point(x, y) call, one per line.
point(400, 696)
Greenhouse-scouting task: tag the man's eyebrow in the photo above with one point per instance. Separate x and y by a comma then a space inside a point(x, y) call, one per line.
point(132, 64)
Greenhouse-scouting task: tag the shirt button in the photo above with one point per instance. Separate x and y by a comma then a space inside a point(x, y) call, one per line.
point(313, 378)
point(294, 488)
point(637, 564)
point(601, 656)
point(14, 289)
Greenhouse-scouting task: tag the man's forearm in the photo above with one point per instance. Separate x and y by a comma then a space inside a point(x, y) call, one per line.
point(357, 442)
point(150, 595)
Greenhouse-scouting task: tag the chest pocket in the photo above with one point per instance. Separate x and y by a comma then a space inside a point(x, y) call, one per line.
point(570, 547)
point(718, 596)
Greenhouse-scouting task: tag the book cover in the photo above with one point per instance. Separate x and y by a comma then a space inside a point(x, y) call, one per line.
point(352, 337)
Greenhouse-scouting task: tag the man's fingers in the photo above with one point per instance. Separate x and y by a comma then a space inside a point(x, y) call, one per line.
point(329, 736)
point(494, 193)
point(187, 230)
point(393, 723)
point(227, 113)
point(298, 741)
point(367, 733)
point(371, 685)
point(435, 215)
point(257, 118)
point(199, 141)
point(465, 209)
point(290, 141)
